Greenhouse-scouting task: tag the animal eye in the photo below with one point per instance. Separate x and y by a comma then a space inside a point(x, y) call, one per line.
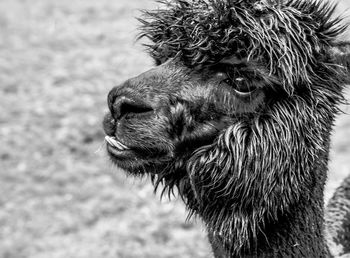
point(238, 77)
point(242, 86)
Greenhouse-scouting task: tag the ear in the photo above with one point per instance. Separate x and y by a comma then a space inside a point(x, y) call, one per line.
point(340, 54)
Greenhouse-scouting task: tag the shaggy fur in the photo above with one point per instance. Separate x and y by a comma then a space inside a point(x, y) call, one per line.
point(236, 117)
point(286, 37)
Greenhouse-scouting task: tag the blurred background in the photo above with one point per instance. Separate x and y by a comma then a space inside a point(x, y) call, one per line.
point(59, 194)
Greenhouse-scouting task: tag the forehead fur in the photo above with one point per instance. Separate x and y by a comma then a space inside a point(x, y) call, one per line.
point(290, 37)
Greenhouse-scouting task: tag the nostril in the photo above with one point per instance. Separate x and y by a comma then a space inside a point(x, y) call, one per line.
point(123, 106)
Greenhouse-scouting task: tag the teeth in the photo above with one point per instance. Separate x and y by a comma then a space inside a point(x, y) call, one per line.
point(115, 143)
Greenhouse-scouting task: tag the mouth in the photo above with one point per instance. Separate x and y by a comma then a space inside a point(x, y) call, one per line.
point(117, 149)
point(128, 158)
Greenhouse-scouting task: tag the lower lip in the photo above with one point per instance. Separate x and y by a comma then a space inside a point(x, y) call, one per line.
point(119, 154)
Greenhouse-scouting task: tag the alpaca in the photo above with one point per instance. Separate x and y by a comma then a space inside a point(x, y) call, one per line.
point(236, 117)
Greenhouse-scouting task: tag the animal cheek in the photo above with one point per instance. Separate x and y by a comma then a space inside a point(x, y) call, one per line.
point(180, 120)
point(231, 104)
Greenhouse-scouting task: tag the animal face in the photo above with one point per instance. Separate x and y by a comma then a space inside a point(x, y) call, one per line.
point(162, 116)
point(237, 113)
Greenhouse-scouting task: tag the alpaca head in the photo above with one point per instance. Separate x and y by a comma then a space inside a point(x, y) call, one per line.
point(237, 113)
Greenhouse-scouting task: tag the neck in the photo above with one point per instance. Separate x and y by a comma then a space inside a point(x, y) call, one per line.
point(263, 195)
point(298, 233)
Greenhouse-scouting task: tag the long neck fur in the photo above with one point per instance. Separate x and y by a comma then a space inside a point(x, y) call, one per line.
point(298, 233)
point(259, 187)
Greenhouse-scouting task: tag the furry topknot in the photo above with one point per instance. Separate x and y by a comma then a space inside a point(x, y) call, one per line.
point(287, 36)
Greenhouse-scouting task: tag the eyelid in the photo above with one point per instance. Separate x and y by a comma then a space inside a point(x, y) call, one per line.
point(218, 67)
point(223, 66)
point(233, 61)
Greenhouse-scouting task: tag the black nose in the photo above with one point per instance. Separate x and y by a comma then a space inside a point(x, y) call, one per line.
point(122, 105)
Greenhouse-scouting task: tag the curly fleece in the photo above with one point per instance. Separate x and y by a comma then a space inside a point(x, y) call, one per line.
point(287, 36)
